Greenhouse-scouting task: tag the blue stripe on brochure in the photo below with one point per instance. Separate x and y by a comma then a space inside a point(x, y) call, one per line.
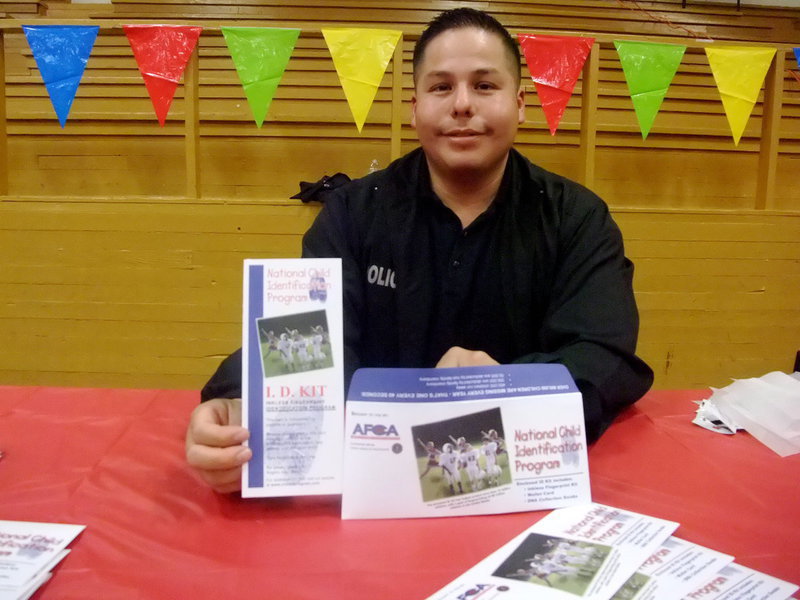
point(255, 387)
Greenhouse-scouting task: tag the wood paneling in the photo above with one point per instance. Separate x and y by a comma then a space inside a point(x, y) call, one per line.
point(114, 275)
point(22, 9)
point(149, 293)
point(716, 292)
point(129, 293)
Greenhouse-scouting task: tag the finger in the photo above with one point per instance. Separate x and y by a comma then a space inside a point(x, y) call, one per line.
point(222, 411)
point(450, 358)
point(219, 436)
point(208, 458)
point(215, 423)
point(235, 486)
point(461, 357)
point(224, 481)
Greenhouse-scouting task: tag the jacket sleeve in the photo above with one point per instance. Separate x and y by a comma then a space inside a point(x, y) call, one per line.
point(332, 235)
point(226, 382)
point(591, 324)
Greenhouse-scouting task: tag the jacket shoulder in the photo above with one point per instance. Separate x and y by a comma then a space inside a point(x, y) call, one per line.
point(566, 196)
point(372, 192)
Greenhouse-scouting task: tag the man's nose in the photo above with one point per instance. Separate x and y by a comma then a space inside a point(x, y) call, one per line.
point(462, 100)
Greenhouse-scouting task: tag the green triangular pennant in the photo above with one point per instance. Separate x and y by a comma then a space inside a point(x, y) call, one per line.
point(649, 69)
point(260, 55)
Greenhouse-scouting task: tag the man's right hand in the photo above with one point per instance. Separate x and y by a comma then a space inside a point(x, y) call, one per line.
point(214, 443)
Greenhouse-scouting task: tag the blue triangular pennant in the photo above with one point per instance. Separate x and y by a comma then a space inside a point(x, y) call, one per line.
point(61, 53)
point(797, 55)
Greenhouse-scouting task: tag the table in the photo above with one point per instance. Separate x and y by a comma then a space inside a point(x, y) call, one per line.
point(113, 459)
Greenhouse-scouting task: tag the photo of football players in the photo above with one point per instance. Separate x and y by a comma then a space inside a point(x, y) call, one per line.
point(449, 461)
point(433, 456)
point(294, 343)
point(460, 455)
point(560, 563)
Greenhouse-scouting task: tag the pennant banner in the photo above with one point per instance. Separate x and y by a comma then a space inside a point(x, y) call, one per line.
point(554, 62)
point(162, 52)
point(260, 55)
point(739, 72)
point(649, 70)
point(61, 53)
point(361, 57)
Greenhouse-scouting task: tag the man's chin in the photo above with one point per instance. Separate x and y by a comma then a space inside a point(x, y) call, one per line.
point(468, 167)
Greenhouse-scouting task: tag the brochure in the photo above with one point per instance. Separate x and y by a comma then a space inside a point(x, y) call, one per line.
point(735, 582)
point(676, 568)
point(27, 553)
point(26, 590)
point(465, 441)
point(292, 376)
point(588, 551)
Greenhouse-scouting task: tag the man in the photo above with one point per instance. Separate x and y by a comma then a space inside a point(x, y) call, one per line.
point(450, 461)
point(495, 260)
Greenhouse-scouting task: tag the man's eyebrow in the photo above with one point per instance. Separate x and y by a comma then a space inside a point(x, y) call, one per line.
point(482, 71)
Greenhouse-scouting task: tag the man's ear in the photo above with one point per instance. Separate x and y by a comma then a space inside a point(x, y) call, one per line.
point(414, 111)
point(521, 105)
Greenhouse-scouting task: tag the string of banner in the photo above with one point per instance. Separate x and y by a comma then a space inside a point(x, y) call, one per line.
point(360, 56)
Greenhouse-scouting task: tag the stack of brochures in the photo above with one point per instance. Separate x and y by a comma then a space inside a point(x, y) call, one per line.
point(595, 552)
point(767, 407)
point(28, 552)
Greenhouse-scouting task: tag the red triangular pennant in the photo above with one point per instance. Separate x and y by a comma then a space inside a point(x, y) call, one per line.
point(795, 74)
point(162, 51)
point(554, 62)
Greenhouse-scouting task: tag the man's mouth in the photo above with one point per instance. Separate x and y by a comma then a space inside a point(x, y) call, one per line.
point(462, 133)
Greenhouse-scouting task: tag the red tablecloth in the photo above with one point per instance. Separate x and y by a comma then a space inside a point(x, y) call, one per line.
point(113, 460)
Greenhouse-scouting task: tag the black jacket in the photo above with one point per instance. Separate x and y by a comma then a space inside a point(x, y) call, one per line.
point(547, 281)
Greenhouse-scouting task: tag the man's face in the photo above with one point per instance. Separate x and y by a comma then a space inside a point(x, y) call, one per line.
point(467, 103)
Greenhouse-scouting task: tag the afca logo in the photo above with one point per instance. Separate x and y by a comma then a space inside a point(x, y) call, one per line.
point(369, 430)
point(476, 591)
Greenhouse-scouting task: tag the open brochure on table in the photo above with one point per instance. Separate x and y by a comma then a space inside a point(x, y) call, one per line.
point(588, 551)
point(599, 552)
point(292, 376)
point(736, 582)
point(475, 440)
point(28, 551)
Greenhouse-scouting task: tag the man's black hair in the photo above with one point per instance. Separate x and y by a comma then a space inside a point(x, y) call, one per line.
point(459, 18)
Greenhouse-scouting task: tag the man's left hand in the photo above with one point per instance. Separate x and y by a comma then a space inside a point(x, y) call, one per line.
point(461, 357)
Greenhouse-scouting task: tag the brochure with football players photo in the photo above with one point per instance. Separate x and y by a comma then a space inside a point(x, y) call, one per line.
point(586, 551)
point(463, 441)
point(292, 376)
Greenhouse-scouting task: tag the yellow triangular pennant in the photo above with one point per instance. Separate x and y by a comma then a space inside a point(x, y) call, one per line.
point(739, 72)
point(361, 57)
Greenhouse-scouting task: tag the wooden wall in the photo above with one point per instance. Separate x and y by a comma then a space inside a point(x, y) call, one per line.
point(114, 276)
